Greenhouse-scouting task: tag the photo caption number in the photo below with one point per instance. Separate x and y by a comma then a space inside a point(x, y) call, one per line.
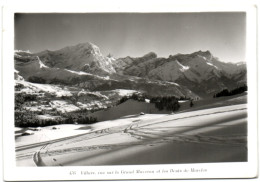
point(73, 172)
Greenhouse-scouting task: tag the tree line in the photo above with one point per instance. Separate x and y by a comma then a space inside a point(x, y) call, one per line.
point(29, 119)
point(226, 92)
point(21, 99)
point(169, 103)
point(134, 96)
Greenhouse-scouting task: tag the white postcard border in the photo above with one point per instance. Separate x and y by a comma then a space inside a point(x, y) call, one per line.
point(208, 170)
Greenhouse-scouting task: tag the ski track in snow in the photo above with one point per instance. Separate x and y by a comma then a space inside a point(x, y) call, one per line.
point(145, 132)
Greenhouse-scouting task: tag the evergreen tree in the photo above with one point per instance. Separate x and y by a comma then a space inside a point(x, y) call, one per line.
point(191, 103)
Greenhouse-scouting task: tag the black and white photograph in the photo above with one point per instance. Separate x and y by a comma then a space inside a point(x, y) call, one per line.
point(109, 89)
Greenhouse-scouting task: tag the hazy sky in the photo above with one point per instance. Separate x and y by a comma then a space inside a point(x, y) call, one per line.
point(135, 34)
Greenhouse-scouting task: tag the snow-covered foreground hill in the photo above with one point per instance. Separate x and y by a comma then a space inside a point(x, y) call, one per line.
point(197, 136)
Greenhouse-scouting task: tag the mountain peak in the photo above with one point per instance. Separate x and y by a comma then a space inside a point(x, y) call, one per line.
point(207, 55)
point(87, 48)
point(150, 55)
point(203, 53)
point(85, 45)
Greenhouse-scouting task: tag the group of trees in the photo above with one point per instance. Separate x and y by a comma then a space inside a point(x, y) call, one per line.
point(25, 119)
point(21, 99)
point(29, 119)
point(184, 98)
point(235, 91)
point(19, 87)
point(79, 118)
point(169, 103)
point(134, 96)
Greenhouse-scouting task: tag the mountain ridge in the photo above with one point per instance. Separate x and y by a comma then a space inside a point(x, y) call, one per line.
point(84, 63)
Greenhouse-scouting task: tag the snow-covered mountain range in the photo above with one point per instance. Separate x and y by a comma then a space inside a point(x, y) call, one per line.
point(198, 74)
point(200, 71)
